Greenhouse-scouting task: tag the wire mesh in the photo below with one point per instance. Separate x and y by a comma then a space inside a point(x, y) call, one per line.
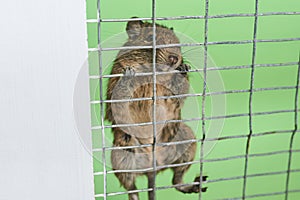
point(203, 118)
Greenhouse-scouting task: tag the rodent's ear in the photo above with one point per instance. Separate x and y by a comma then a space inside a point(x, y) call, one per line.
point(133, 28)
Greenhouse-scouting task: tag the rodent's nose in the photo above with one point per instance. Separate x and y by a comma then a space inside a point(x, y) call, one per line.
point(173, 59)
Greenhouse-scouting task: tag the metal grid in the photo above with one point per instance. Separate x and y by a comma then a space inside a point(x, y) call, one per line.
point(204, 94)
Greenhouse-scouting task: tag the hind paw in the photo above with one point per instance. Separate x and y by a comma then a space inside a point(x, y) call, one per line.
point(196, 188)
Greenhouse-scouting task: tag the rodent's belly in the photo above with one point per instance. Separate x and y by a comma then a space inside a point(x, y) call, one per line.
point(142, 111)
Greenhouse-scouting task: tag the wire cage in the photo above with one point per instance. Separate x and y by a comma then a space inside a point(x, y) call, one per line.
point(255, 153)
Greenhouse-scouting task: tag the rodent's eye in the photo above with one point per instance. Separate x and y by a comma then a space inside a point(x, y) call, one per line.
point(173, 59)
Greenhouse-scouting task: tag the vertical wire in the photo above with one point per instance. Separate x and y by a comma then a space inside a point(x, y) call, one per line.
point(154, 96)
point(250, 100)
point(203, 98)
point(101, 100)
point(294, 132)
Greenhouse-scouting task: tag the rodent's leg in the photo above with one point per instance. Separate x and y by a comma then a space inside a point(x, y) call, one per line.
point(128, 181)
point(187, 154)
point(178, 179)
point(117, 88)
point(150, 176)
point(123, 90)
point(124, 87)
point(125, 160)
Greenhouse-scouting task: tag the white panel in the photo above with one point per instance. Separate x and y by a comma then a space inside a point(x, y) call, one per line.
point(42, 46)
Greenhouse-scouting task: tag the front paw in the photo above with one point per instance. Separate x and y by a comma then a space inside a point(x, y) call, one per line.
point(129, 71)
point(183, 68)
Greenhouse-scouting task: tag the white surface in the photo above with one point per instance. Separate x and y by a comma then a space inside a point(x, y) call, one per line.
point(42, 46)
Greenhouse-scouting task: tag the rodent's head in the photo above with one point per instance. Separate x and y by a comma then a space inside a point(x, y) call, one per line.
point(141, 34)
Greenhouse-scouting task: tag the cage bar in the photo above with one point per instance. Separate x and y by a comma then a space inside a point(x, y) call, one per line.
point(250, 100)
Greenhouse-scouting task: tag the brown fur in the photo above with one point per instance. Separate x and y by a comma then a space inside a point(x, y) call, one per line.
point(129, 62)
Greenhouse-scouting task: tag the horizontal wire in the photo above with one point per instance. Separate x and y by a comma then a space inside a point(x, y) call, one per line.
point(200, 70)
point(254, 135)
point(251, 41)
point(196, 162)
point(250, 155)
point(147, 145)
point(249, 66)
point(191, 141)
point(145, 98)
point(121, 147)
point(193, 17)
point(193, 44)
point(140, 74)
point(261, 195)
point(193, 95)
point(127, 192)
point(271, 194)
point(148, 189)
point(149, 169)
point(196, 183)
point(194, 119)
point(252, 175)
point(247, 114)
point(145, 47)
point(254, 90)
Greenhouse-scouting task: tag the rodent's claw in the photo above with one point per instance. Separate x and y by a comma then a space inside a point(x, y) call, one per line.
point(196, 187)
point(129, 71)
point(183, 67)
